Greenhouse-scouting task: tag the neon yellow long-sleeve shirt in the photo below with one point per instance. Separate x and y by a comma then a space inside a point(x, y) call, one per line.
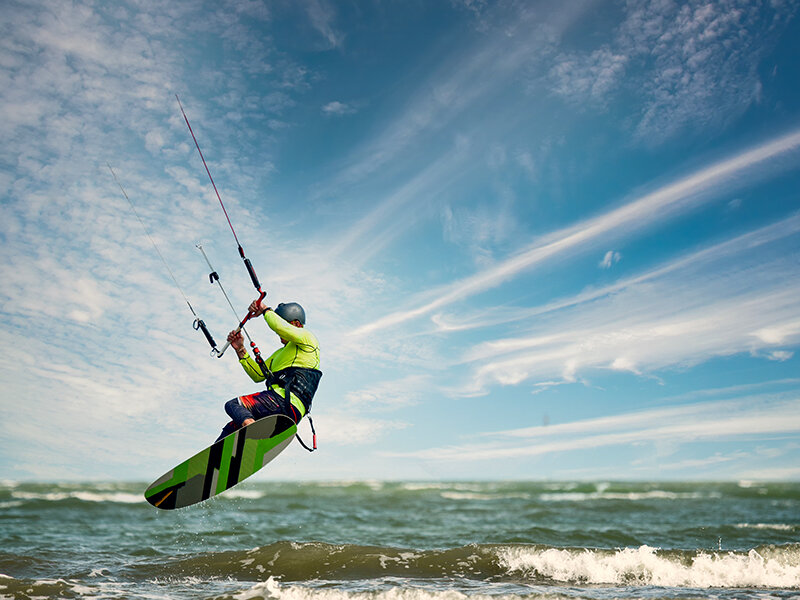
point(301, 350)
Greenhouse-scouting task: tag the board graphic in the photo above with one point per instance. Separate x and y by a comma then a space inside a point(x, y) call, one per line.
point(223, 464)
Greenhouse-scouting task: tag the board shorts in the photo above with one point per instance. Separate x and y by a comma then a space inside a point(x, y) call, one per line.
point(257, 406)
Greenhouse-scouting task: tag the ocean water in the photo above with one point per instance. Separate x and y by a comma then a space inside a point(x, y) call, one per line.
point(404, 541)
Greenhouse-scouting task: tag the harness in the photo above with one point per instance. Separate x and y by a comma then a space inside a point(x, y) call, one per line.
point(303, 383)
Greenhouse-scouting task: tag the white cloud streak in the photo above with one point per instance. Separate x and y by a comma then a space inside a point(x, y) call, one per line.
point(733, 249)
point(744, 418)
point(643, 331)
point(626, 221)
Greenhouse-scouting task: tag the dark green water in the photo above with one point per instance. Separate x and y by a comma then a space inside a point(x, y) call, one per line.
point(404, 541)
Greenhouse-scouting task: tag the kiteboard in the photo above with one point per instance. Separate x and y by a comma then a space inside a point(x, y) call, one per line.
point(223, 464)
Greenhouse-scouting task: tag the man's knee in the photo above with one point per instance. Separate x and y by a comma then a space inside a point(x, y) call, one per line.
point(236, 411)
point(231, 407)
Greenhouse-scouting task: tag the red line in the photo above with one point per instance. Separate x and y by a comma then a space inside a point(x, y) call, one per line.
point(209, 174)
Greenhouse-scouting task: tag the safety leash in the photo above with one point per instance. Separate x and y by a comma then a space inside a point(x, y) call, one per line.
point(313, 436)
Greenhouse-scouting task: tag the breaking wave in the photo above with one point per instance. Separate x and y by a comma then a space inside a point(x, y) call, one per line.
point(767, 567)
point(763, 567)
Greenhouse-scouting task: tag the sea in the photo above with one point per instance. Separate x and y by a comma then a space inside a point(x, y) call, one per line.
point(370, 540)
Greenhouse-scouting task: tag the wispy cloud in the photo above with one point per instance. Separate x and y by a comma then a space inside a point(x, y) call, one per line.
point(459, 80)
point(680, 425)
point(393, 215)
point(593, 75)
point(391, 394)
point(482, 228)
point(730, 250)
point(323, 19)
point(643, 330)
point(338, 109)
point(736, 296)
point(626, 221)
point(702, 463)
point(610, 259)
point(676, 60)
point(345, 429)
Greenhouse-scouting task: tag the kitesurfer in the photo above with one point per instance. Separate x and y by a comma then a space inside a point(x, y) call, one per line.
point(292, 373)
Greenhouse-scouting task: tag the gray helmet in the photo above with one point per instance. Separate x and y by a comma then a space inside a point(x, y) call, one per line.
point(291, 311)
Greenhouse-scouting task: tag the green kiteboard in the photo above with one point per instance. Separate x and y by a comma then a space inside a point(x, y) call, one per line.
point(223, 464)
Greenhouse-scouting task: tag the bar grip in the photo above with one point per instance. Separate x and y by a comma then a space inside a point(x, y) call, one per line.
point(250, 315)
point(219, 353)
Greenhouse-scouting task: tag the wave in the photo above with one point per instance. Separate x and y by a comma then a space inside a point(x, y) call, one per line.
point(317, 571)
point(762, 567)
point(85, 496)
point(772, 526)
point(482, 497)
point(633, 496)
point(398, 590)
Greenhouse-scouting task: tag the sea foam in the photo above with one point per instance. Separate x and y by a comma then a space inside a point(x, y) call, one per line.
point(274, 590)
point(649, 566)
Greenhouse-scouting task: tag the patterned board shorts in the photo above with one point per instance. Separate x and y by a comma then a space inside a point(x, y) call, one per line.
point(268, 402)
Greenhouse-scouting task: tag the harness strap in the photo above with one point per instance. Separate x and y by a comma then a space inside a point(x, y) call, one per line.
point(288, 392)
point(313, 434)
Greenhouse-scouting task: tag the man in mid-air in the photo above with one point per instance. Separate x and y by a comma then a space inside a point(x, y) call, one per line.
point(292, 371)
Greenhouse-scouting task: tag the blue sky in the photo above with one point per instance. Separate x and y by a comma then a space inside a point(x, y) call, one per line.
point(536, 240)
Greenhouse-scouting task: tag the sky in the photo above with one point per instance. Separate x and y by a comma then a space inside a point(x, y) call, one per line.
point(536, 240)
